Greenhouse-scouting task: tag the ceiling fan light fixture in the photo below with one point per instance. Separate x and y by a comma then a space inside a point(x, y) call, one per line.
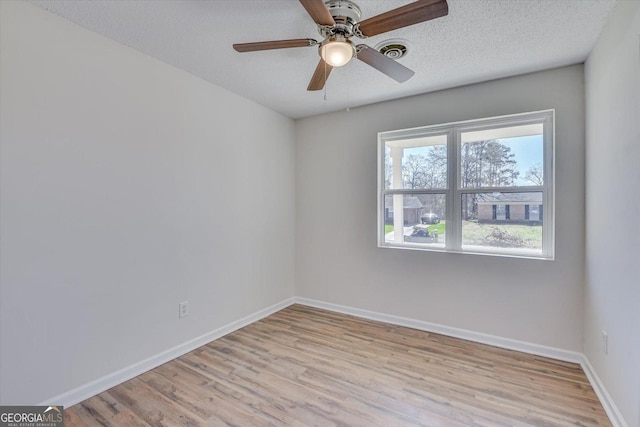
point(337, 51)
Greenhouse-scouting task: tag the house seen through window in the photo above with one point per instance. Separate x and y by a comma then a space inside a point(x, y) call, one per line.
point(482, 186)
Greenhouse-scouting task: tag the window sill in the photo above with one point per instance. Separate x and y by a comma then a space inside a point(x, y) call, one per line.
point(514, 253)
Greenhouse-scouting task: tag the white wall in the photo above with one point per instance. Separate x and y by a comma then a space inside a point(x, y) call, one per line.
point(127, 185)
point(612, 295)
point(337, 259)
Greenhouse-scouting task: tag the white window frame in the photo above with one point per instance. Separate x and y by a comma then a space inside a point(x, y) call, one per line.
point(454, 192)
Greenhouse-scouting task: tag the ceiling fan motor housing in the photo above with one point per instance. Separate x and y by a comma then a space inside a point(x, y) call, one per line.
point(345, 13)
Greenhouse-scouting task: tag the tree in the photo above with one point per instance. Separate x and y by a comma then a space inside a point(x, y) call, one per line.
point(427, 169)
point(501, 168)
point(485, 164)
point(436, 171)
point(414, 168)
point(535, 174)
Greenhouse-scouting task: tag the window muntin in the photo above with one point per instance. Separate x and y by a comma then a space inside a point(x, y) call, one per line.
point(493, 179)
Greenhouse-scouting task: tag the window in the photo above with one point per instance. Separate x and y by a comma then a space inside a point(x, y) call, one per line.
point(482, 186)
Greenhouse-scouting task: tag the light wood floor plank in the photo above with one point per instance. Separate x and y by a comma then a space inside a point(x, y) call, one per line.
point(309, 367)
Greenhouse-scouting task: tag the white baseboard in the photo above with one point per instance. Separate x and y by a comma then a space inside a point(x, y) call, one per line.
point(88, 390)
point(555, 353)
point(496, 341)
point(101, 384)
point(610, 407)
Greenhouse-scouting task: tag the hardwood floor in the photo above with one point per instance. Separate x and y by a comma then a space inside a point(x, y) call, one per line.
point(308, 367)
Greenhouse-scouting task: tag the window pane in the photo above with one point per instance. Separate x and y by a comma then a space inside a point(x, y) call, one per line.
point(505, 222)
point(418, 163)
point(502, 157)
point(416, 219)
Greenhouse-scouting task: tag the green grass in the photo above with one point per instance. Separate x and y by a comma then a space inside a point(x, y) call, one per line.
point(502, 235)
point(497, 235)
point(439, 227)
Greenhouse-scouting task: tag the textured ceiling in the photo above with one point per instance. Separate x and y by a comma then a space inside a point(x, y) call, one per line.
point(479, 40)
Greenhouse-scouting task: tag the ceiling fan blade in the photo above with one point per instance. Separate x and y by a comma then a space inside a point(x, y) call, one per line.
point(318, 12)
point(413, 13)
point(320, 76)
point(275, 44)
point(388, 66)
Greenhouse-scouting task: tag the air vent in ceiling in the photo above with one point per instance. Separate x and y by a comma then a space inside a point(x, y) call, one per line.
point(394, 49)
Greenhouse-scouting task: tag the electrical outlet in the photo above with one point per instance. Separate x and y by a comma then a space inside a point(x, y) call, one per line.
point(605, 342)
point(183, 309)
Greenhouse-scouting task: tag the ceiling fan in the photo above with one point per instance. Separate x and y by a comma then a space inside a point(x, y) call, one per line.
point(338, 21)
